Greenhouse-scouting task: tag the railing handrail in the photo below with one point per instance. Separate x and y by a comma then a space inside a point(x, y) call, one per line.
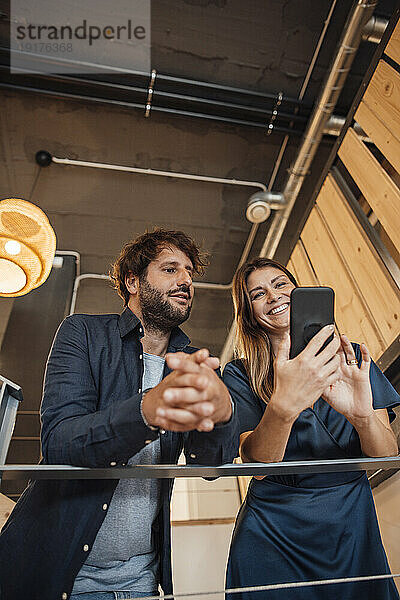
point(15, 472)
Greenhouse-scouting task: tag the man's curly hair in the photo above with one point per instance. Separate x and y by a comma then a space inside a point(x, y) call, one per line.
point(136, 256)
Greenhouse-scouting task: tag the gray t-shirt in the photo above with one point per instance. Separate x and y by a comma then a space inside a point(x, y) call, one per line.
point(123, 557)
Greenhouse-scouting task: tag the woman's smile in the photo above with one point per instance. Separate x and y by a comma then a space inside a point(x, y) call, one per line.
point(278, 309)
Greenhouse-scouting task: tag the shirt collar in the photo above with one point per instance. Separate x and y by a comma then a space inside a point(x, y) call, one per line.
point(128, 322)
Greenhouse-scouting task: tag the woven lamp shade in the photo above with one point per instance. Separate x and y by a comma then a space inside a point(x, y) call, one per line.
point(27, 247)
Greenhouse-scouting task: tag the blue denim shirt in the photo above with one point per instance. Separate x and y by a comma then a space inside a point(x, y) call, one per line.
point(90, 417)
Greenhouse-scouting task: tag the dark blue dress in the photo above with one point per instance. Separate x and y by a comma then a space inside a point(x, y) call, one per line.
point(309, 527)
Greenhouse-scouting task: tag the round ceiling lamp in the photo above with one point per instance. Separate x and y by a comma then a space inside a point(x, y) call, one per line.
point(261, 203)
point(27, 247)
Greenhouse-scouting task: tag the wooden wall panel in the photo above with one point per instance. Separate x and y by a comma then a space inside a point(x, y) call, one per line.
point(6, 506)
point(290, 266)
point(301, 267)
point(382, 137)
point(393, 47)
point(341, 254)
point(374, 284)
point(383, 96)
point(350, 314)
point(376, 185)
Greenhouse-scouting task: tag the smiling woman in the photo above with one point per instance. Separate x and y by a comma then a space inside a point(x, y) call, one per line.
point(323, 404)
point(269, 291)
point(256, 281)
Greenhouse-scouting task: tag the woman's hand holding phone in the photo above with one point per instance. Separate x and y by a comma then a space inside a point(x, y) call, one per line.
point(300, 381)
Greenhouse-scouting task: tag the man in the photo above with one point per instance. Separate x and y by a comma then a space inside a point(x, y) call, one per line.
point(119, 389)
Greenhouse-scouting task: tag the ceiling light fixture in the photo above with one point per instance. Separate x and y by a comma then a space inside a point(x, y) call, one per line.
point(261, 203)
point(27, 247)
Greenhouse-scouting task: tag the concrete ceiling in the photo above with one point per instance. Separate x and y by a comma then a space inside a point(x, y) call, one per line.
point(256, 45)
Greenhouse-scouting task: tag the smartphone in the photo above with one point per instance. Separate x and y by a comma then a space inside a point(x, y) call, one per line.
point(311, 308)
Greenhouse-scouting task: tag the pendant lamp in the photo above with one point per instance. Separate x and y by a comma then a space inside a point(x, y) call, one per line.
point(27, 247)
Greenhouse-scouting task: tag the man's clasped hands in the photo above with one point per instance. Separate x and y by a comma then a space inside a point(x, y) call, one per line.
point(191, 397)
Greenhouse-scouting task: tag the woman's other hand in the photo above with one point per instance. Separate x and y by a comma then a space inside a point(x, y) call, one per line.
point(351, 395)
point(299, 382)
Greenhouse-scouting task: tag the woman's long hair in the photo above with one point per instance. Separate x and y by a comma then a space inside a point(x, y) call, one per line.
point(252, 343)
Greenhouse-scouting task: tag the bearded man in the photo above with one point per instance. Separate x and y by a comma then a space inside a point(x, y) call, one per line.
point(119, 389)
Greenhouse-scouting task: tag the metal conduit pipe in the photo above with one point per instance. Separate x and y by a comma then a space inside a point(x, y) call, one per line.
point(326, 102)
point(44, 159)
point(154, 108)
point(76, 255)
point(77, 284)
point(374, 29)
point(335, 124)
point(264, 113)
point(176, 175)
point(93, 68)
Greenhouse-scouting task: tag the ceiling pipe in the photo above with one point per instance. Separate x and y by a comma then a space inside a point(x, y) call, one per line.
point(335, 124)
point(140, 170)
point(374, 29)
point(61, 253)
point(264, 112)
point(271, 201)
point(169, 80)
point(326, 102)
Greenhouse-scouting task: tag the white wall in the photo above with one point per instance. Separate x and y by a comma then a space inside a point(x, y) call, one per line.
point(199, 555)
point(194, 498)
point(200, 547)
point(387, 502)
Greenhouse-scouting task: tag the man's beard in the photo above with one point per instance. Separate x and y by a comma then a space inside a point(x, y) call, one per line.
point(158, 314)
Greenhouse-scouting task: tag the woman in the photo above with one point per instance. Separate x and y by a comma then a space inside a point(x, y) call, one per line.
point(327, 405)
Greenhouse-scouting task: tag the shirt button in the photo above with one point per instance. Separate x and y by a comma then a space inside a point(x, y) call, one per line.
point(112, 463)
point(140, 356)
point(162, 431)
point(139, 390)
point(192, 456)
point(85, 548)
point(140, 330)
point(64, 596)
point(105, 506)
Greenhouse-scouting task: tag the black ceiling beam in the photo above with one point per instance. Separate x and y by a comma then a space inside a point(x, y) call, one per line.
point(185, 113)
point(171, 95)
point(119, 91)
point(165, 83)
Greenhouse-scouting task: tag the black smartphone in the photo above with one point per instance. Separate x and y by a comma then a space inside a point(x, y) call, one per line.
point(311, 308)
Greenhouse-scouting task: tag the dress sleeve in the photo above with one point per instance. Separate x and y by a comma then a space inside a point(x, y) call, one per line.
point(383, 393)
point(249, 408)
